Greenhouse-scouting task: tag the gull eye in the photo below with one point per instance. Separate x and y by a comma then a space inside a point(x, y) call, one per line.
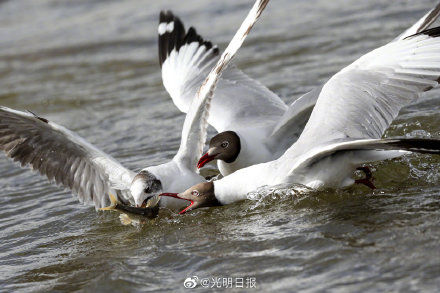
point(224, 144)
point(147, 190)
point(195, 193)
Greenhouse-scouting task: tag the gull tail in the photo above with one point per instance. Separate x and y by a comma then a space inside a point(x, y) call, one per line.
point(113, 203)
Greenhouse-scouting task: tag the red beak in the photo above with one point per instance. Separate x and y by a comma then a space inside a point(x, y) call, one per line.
point(176, 195)
point(205, 159)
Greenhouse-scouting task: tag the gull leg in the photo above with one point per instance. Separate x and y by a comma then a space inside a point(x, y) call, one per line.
point(368, 180)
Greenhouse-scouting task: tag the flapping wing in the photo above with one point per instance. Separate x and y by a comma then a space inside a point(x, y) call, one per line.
point(63, 157)
point(422, 24)
point(362, 100)
point(195, 125)
point(292, 122)
point(186, 59)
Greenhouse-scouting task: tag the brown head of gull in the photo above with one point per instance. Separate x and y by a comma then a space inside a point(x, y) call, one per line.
point(224, 146)
point(200, 195)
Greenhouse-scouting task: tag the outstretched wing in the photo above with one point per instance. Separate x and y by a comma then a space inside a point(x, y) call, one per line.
point(292, 122)
point(63, 157)
point(186, 60)
point(361, 101)
point(369, 150)
point(195, 125)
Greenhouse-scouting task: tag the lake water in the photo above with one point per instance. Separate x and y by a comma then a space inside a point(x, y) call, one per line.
point(92, 66)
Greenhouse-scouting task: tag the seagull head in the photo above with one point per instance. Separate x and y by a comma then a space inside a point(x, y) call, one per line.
point(144, 186)
point(199, 196)
point(224, 146)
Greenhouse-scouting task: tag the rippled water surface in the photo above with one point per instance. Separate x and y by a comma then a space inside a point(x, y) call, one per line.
point(92, 66)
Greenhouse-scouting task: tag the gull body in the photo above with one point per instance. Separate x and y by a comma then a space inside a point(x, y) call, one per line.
point(264, 124)
point(69, 160)
point(274, 139)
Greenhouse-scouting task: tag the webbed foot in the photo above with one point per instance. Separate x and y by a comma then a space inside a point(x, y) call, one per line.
point(368, 180)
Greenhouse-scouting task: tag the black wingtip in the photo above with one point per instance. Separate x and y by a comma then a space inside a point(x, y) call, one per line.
point(432, 32)
point(166, 16)
point(38, 117)
point(172, 35)
point(417, 145)
point(433, 15)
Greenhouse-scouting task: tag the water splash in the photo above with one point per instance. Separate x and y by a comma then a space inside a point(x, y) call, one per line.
point(282, 192)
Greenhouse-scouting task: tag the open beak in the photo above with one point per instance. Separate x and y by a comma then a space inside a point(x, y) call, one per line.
point(176, 195)
point(206, 158)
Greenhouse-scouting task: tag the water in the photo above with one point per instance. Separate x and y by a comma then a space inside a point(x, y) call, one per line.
point(92, 66)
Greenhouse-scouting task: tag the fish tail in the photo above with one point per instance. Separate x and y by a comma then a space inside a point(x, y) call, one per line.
point(113, 202)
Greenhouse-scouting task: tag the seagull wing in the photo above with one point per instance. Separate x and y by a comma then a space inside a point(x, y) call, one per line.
point(186, 59)
point(292, 122)
point(62, 156)
point(366, 150)
point(362, 100)
point(195, 125)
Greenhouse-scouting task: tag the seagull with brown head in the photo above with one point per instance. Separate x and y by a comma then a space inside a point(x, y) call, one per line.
point(346, 126)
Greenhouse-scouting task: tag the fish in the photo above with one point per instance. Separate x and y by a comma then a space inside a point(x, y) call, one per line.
point(131, 215)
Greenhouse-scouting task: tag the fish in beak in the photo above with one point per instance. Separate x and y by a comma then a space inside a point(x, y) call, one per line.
point(134, 215)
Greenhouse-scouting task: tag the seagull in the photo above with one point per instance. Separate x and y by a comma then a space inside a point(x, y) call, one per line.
point(242, 144)
point(353, 110)
point(69, 160)
point(254, 125)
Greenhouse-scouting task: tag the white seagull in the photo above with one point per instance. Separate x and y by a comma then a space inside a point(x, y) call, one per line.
point(254, 124)
point(352, 112)
point(66, 158)
point(242, 144)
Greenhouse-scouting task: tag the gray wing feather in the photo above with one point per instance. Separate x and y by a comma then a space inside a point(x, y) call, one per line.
point(62, 156)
